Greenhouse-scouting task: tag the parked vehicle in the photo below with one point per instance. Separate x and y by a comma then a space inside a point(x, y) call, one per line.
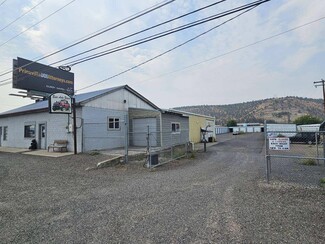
point(56, 106)
point(305, 137)
point(64, 105)
point(61, 105)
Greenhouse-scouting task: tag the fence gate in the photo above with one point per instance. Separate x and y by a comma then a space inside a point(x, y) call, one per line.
point(305, 147)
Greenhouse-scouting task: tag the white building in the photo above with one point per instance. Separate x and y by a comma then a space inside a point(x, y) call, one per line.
point(106, 119)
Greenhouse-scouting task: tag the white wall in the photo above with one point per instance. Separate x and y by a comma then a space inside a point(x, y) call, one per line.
point(55, 129)
point(115, 101)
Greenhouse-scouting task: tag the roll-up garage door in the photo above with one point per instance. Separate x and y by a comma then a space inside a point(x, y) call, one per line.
point(140, 131)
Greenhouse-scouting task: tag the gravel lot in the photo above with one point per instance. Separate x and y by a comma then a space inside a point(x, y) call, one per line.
point(219, 197)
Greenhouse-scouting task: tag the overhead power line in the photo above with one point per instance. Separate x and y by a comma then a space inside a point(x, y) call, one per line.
point(139, 32)
point(169, 50)
point(99, 32)
point(165, 33)
point(37, 23)
point(3, 2)
point(2, 82)
point(18, 18)
point(240, 48)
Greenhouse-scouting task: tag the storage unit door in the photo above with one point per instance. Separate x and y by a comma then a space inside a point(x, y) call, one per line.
point(140, 131)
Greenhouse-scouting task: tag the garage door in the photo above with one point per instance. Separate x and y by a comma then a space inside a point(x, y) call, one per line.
point(140, 130)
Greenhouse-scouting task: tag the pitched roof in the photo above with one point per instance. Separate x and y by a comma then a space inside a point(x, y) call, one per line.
point(80, 99)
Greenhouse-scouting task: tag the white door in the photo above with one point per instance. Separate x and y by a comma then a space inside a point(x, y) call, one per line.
point(42, 136)
point(140, 132)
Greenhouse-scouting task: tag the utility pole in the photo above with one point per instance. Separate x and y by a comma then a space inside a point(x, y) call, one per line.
point(321, 83)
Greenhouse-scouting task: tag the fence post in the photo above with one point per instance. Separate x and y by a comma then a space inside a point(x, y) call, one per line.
point(126, 141)
point(267, 156)
point(171, 145)
point(148, 146)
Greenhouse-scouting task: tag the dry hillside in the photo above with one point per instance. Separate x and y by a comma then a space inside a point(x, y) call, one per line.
point(280, 110)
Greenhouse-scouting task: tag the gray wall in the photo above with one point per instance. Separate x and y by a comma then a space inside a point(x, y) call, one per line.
point(96, 135)
point(169, 138)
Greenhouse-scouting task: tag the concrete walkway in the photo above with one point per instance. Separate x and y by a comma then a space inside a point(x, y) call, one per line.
point(39, 152)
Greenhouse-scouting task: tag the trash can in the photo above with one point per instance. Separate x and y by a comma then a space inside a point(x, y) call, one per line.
point(153, 159)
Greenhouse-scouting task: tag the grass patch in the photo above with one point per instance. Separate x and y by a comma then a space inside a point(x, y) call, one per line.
point(322, 182)
point(309, 162)
point(192, 155)
point(94, 153)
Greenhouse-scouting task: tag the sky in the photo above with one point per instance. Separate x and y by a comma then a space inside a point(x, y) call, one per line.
point(275, 50)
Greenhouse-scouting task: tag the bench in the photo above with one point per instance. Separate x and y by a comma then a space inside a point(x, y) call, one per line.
point(61, 145)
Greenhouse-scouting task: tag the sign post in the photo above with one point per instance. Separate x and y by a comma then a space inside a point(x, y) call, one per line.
point(74, 125)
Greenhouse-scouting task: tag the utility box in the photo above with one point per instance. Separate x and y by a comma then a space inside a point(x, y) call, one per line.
point(154, 159)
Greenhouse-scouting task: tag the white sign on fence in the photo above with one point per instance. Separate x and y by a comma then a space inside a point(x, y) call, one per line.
point(279, 143)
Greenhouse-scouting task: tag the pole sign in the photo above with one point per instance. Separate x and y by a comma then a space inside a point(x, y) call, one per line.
point(60, 103)
point(32, 76)
point(279, 143)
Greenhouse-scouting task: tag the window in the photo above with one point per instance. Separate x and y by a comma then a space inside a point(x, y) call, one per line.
point(5, 133)
point(176, 128)
point(113, 123)
point(29, 131)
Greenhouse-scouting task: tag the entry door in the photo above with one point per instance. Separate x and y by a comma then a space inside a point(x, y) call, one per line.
point(0, 135)
point(42, 136)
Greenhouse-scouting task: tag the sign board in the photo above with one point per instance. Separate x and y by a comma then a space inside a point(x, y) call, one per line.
point(39, 77)
point(279, 143)
point(60, 103)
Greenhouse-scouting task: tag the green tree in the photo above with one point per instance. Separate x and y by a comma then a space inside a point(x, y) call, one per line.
point(231, 123)
point(307, 119)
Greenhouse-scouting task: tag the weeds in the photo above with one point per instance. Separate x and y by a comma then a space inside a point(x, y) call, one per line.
point(94, 153)
point(309, 162)
point(322, 182)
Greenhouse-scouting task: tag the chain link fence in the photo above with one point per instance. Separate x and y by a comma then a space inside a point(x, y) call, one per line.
point(174, 146)
point(153, 147)
point(285, 148)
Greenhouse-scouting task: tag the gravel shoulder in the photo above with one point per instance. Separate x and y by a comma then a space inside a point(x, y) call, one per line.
point(219, 197)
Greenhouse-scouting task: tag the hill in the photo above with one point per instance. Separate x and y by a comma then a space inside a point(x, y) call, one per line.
point(278, 110)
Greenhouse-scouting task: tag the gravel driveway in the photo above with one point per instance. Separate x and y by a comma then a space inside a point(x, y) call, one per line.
point(219, 197)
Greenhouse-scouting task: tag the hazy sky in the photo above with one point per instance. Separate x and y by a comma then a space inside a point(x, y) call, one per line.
point(213, 69)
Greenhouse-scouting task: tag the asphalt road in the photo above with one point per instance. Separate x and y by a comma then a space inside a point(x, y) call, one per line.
point(218, 197)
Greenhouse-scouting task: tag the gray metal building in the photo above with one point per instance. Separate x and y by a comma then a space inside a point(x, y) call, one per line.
point(106, 119)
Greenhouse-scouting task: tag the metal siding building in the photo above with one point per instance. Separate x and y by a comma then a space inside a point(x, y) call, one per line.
point(198, 121)
point(93, 112)
point(168, 137)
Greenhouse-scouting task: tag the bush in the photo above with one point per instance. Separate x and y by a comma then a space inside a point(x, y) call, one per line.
point(322, 182)
point(309, 162)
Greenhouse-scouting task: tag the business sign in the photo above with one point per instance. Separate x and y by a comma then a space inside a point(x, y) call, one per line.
point(279, 143)
point(39, 77)
point(60, 103)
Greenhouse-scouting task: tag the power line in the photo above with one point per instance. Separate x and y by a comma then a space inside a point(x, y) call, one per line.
point(139, 32)
point(164, 33)
point(234, 50)
point(3, 2)
point(208, 60)
point(99, 32)
point(37, 23)
point(22, 15)
point(169, 50)
point(239, 49)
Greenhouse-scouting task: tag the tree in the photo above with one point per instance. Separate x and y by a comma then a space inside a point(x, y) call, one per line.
point(307, 119)
point(231, 123)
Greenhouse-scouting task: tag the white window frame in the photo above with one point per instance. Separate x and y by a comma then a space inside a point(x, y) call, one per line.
point(176, 126)
point(5, 133)
point(30, 125)
point(115, 122)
